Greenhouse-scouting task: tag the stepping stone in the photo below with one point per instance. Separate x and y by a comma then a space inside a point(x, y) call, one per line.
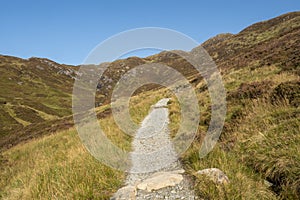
point(160, 180)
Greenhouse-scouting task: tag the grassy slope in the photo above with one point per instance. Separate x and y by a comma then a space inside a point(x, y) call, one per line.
point(259, 141)
point(32, 92)
point(261, 135)
point(56, 167)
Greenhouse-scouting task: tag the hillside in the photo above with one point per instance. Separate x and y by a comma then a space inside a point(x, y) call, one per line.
point(272, 42)
point(258, 149)
point(32, 93)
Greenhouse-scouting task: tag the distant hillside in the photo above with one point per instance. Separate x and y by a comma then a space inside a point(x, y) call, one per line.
point(32, 92)
point(272, 42)
point(36, 90)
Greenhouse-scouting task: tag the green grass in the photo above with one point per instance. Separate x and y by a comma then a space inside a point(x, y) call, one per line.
point(244, 183)
point(270, 145)
point(28, 94)
point(8, 108)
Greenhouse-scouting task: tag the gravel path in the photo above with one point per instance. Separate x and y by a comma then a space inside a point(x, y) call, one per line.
point(156, 172)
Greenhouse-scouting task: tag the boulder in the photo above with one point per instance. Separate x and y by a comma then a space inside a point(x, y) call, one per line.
point(215, 174)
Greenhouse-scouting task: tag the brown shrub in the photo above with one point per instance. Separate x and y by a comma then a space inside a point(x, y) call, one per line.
point(289, 91)
point(252, 90)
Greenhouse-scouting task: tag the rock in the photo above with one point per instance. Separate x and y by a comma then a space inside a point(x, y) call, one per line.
point(40, 68)
point(160, 180)
point(125, 193)
point(215, 175)
point(267, 183)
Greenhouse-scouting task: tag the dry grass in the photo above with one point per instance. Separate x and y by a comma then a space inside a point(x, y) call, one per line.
point(269, 139)
point(59, 167)
point(56, 167)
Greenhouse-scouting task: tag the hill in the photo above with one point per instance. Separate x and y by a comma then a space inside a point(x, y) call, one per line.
point(258, 148)
point(32, 93)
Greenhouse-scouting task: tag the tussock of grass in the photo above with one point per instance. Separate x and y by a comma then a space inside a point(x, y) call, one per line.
point(270, 145)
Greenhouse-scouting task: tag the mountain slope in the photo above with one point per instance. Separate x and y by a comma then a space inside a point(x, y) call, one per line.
point(33, 91)
point(259, 143)
point(36, 90)
point(272, 42)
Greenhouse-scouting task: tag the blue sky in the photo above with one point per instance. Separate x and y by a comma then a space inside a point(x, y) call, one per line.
point(67, 30)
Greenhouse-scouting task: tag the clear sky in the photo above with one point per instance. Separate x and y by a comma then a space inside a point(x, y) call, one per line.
point(67, 30)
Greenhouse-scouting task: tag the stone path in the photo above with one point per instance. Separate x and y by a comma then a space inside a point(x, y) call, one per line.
point(156, 172)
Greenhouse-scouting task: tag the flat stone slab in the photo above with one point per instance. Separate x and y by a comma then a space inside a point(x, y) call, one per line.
point(161, 180)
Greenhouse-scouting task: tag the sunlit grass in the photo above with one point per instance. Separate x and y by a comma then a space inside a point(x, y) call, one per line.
point(56, 167)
